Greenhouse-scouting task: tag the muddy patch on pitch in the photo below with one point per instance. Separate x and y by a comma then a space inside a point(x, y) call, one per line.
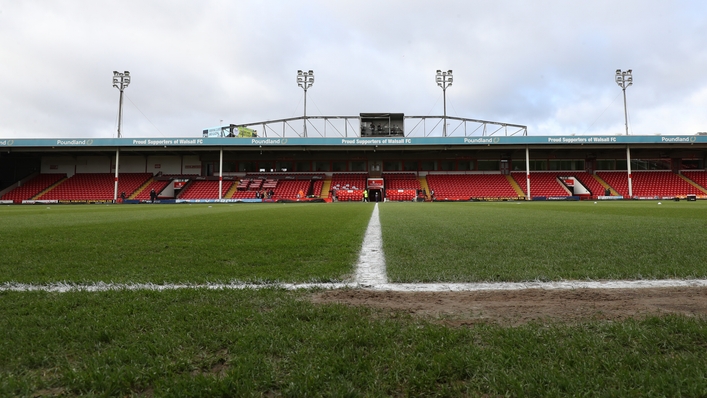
point(523, 306)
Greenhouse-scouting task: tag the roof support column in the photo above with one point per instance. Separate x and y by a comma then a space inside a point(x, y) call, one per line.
point(220, 173)
point(628, 167)
point(527, 172)
point(117, 165)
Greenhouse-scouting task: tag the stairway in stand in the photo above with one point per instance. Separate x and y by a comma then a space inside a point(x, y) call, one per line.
point(605, 185)
point(423, 185)
point(515, 186)
point(325, 188)
point(230, 192)
point(694, 184)
point(49, 188)
point(142, 188)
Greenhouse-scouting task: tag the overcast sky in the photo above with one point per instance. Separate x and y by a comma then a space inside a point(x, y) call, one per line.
point(549, 65)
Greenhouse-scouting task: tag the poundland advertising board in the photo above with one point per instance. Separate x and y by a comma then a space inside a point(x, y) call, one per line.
point(348, 141)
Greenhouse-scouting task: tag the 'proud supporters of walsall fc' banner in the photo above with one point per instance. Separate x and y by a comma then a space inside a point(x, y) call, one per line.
point(350, 141)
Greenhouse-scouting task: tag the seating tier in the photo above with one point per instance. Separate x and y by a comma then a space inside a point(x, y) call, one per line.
point(96, 186)
point(699, 177)
point(289, 189)
point(547, 183)
point(349, 186)
point(401, 186)
point(158, 186)
point(208, 189)
point(467, 186)
point(32, 187)
point(649, 183)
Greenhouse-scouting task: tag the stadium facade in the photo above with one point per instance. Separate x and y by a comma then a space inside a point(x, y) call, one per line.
point(392, 156)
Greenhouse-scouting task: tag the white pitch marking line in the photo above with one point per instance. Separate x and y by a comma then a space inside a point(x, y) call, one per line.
point(370, 269)
point(395, 287)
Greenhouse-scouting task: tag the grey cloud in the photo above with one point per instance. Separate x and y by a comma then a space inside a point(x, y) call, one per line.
point(546, 64)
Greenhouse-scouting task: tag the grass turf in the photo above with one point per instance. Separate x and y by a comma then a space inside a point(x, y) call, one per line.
point(273, 342)
point(521, 241)
point(423, 242)
point(180, 243)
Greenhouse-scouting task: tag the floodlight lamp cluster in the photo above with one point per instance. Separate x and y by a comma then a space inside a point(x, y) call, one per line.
point(624, 78)
point(121, 80)
point(444, 79)
point(305, 79)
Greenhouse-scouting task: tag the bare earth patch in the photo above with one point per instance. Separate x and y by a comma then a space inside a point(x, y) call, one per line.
point(522, 306)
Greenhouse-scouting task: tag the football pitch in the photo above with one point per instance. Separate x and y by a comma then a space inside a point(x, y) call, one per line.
point(253, 342)
point(422, 242)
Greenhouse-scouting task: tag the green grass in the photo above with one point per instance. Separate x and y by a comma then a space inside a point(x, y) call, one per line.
point(423, 242)
point(276, 343)
point(520, 241)
point(180, 243)
point(248, 343)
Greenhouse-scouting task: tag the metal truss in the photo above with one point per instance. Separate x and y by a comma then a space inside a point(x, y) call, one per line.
point(350, 126)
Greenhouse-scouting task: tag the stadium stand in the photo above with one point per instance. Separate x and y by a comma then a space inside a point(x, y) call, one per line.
point(589, 182)
point(289, 189)
point(467, 186)
point(157, 185)
point(548, 184)
point(270, 183)
point(33, 187)
point(662, 183)
point(204, 189)
point(283, 185)
point(349, 186)
point(618, 180)
point(256, 184)
point(698, 177)
point(541, 184)
point(401, 194)
point(95, 186)
point(317, 188)
point(401, 186)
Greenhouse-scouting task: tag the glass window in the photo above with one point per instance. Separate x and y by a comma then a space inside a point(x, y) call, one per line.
point(566, 164)
point(338, 166)
point(304, 166)
point(246, 166)
point(605, 164)
point(465, 165)
point(538, 165)
point(321, 166)
point(691, 164)
point(284, 166)
point(410, 165)
point(446, 165)
point(427, 165)
point(357, 165)
point(391, 166)
point(663, 164)
point(488, 165)
point(639, 164)
point(229, 167)
point(266, 165)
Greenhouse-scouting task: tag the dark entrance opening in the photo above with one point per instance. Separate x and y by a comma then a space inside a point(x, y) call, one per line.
point(375, 195)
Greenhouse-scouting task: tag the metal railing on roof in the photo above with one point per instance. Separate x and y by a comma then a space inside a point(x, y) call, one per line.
point(350, 126)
